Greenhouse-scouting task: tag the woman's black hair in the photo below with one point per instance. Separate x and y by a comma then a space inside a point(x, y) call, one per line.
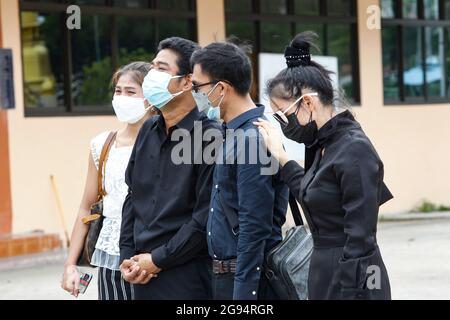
point(302, 73)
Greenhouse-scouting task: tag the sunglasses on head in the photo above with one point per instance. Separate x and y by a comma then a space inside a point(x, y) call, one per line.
point(280, 116)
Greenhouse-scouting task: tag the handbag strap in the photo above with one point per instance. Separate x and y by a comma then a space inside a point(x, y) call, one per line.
point(101, 164)
point(233, 220)
point(295, 210)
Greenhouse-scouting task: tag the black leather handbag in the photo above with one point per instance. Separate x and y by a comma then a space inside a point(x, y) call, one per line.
point(287, 264)
point(95, 219)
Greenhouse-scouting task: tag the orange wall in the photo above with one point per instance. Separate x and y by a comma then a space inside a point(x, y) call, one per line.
point(5, 190)
point(211, 21)
point(5, 183)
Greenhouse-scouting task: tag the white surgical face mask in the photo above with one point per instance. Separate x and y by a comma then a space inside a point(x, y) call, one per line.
point(129, 110)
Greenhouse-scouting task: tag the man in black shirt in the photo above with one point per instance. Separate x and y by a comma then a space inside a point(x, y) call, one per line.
point(163, 240)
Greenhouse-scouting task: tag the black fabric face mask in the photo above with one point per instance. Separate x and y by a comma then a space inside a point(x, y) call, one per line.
point(294, 131)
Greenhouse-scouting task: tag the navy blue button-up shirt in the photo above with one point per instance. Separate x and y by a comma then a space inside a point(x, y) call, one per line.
point(259, 200)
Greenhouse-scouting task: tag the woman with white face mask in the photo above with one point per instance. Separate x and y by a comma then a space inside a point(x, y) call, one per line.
point(133, 110)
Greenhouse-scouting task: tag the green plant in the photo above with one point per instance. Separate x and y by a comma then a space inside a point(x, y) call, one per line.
point(96, 87)
point(427, 207)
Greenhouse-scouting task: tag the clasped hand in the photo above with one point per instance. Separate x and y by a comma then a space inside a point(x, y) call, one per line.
point(140, 269)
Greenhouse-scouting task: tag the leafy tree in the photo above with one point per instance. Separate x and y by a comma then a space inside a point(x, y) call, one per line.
point(96, 79)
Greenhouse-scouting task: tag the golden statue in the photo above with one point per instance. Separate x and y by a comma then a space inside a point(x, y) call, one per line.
point(40, 83)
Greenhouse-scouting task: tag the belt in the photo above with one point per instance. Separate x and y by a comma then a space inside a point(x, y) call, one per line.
point(223, 267)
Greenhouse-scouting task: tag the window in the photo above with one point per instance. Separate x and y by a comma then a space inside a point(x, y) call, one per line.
point(68, 72)
point(416, 44)
point(269, 26)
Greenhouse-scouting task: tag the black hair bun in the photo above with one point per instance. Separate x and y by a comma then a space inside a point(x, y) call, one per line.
point(298, 53)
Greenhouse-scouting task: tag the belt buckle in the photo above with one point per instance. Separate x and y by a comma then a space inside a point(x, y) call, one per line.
point(221, 267)
point(218, 267)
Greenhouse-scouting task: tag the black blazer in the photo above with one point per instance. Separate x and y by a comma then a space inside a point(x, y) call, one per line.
point(340, 194)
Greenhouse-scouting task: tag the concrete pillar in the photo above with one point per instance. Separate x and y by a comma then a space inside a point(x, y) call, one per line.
point(210, 21)
point(370, 58)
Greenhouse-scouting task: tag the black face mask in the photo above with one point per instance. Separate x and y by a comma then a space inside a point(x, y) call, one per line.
point(294, 131)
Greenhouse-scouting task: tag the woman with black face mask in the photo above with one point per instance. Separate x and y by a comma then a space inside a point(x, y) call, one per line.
point(341, 187)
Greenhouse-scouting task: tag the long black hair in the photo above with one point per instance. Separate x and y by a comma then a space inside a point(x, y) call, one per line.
point(302, 73)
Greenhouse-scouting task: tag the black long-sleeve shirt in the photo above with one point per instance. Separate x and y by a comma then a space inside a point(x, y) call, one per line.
point(166, 209)
point(340, 194)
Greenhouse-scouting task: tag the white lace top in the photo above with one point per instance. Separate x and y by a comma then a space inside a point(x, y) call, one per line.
point(107, 253)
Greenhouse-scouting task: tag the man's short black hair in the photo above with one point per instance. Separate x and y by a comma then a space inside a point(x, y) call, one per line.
point(183, 49)
point(225, 61)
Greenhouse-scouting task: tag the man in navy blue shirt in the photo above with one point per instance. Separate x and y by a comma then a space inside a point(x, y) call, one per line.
point(248, 201)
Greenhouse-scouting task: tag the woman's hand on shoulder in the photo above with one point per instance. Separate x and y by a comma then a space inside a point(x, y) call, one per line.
point(273, 140)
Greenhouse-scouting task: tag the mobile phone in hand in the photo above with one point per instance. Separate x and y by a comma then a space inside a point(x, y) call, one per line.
point(85, 279)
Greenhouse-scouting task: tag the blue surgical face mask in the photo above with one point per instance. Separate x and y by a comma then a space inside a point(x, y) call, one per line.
point(155, 88)
point(203, 103)
point(214, 113)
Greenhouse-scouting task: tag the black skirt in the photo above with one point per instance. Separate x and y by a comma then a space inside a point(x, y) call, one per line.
point(325, 275)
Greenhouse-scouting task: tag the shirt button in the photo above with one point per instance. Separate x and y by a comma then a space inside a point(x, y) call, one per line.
point(212, 209)
point(254, 293)
point(209, 234)
point(215, 256)
point(217, 186)
point(257, 269)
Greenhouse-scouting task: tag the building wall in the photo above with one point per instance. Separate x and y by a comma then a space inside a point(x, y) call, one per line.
point(210, 21)
point(5, 190)
point(40, 147)
point(59, 146)
point(412, 140)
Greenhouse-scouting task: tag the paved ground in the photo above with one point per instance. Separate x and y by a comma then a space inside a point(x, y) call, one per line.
point(416, 253)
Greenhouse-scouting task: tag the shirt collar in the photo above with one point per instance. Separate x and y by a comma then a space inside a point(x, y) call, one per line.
point(240, 120)
point(186, 123)
point(339, 124)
